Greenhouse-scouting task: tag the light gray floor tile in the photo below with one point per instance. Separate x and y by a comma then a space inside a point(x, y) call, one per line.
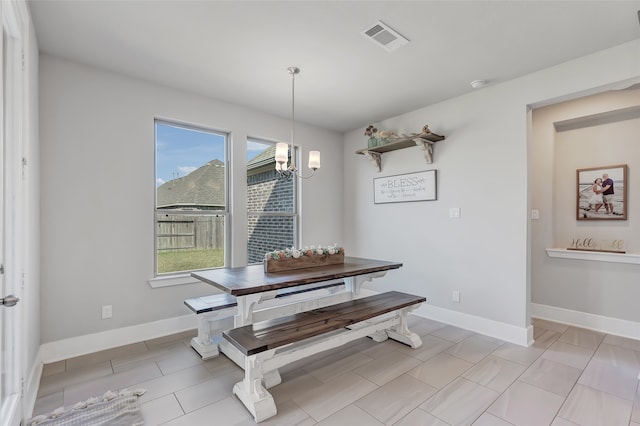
point(474, 348)
point(586, 406)
point(544, 338)
point(205, 393)
point(53, 368)
point(452, 334)
point(431, 346)
point(161, 410)
point(384, 369)
point(229, 411)
point(337, 393)
point(220, 365)
point(328, 398)
point(408, 392)
point(106, 355)
point(495, 373)
point(552, 376)
point(526, 405)
point(461, 402)
point(125, 362)
point(620, 381)
point(292, 386)
point(184, 337)
point(440, 370)
point(420, 417)
point(350, 415)
point(559, 421)
point(423, 326)
point(581, 337)
point(181, 358)
point(519, 354)
point(171, 383)
point(574, 356)
point(635, 413)
point(540, 323)
point(47, 403)
point(113, 382)
point(289, 414)
point(622, 342)
point(618, 356)
point(487, 419)
point(57, 382)
point(335, 364)
point(379, 350)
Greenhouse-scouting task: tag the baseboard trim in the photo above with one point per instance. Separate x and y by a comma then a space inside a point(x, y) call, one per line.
point(522, 336)
point(95, 342)
point(602, 324)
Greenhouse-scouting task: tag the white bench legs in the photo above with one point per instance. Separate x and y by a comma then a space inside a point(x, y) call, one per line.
point(210, 326)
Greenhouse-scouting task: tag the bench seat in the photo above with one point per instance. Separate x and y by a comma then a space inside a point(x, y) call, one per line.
point(259, 337)
point(269, 345)
point(215, 313)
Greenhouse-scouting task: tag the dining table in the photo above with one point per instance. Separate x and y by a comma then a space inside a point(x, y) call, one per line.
point(251, 285)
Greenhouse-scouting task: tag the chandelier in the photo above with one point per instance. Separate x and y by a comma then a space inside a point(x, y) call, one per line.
point(282, 149)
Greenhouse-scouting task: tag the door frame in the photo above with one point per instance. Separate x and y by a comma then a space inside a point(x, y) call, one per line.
point(12, 234)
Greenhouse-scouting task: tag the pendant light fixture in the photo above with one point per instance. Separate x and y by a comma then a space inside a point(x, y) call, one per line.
point(282, 149)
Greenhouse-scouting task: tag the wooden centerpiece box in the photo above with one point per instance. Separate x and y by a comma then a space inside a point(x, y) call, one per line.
point(289, 259)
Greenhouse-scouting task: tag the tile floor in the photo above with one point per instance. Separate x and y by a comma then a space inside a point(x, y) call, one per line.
point(570, 376)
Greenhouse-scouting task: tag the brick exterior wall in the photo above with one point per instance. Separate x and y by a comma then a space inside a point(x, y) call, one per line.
point(267, 193)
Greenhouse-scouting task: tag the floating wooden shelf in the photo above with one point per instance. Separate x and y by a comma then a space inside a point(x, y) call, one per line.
point(424, 140)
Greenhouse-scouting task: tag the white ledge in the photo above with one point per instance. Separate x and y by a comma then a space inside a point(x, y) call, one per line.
point(172, 280)
point(597, 256)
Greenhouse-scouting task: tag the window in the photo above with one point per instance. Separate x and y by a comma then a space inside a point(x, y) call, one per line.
point(191, 213)
point(272, 218)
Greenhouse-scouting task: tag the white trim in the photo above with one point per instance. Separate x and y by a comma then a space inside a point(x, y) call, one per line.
point(522, 336)
point(594, 255)
point(602, 324)
point(90, 343)
point(32, 386)
point(173, 280)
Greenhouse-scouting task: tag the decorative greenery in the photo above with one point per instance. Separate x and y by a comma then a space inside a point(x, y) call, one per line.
point(306, 251)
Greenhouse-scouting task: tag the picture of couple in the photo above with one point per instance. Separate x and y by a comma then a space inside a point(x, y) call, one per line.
point(601, 193)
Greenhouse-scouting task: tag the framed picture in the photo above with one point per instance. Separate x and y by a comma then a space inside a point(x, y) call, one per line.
point(419, 186)
point(602, 193)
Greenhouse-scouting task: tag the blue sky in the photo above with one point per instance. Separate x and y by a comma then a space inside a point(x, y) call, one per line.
point(179, 150)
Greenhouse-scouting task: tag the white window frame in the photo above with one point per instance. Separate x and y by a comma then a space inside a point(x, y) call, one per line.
point(184, 277)
point(296, 197)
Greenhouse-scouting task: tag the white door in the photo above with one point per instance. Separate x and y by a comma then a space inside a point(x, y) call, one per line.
point(10, 222)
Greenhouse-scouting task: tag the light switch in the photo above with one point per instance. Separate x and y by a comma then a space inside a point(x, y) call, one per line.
point(454, 212)
point(535, 214)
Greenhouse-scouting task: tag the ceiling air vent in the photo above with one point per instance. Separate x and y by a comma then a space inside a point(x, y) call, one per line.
point(385, 36)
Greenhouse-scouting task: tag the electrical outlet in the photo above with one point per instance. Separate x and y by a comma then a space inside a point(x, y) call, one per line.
point(455, 296)
point(107, 311)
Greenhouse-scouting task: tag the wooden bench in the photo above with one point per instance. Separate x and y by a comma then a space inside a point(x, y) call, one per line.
point(216, 312)
point(269, 345)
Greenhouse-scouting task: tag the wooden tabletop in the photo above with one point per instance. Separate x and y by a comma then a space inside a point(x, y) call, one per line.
point(252, 279)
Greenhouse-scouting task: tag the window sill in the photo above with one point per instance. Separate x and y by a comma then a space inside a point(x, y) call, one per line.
point(594, 255)
point(172, 280)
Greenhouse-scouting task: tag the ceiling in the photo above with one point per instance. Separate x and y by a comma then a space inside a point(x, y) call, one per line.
point(239, 51)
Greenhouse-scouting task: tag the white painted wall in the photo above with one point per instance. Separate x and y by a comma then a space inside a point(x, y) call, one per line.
point(607, 290)
point(99, 126)
point(97, 194)
point(482, 169)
